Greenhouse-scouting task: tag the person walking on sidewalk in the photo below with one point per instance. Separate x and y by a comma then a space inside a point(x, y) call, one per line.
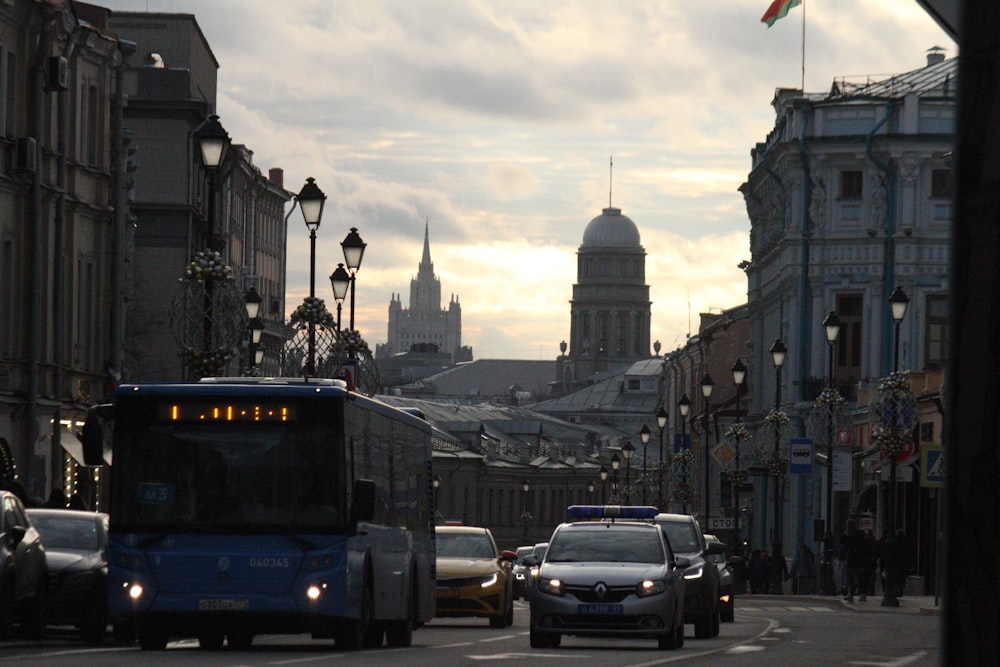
point(857, 562)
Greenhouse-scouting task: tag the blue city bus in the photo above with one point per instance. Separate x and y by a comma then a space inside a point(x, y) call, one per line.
point(241, 507)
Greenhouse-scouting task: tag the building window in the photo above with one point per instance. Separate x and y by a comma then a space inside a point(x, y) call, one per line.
point(936, 336)
point(850, 309)
point(941, 184)
point(851, 184)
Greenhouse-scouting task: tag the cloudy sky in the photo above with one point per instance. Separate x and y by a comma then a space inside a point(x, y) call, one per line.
point(495, 123)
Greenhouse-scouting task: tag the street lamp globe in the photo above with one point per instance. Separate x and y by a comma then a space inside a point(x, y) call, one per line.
point(525, 485)
point(311, 200)
point(707, 385)
point(739, 372)
point(354, 249)
point(831, 324)
point(591, 486)
point(684, 405)
point(898, 301)
point(616, 462)
point(213, 141)
point(628, 449)
point(661, 418)
point(251, 301)
point(778, 351)
point(644, 434)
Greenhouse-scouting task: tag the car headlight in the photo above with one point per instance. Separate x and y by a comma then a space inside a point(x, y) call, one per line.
point(519, 576)
point(489, 580)
point(649, 587)
point(694, 572)
point(552, 587)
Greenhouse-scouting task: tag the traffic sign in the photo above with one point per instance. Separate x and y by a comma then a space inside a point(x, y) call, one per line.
point(904, 454)
point(800, 456)
point(721, 523)
point(932, 467)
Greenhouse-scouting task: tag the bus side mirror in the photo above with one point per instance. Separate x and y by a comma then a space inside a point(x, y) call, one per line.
point(92, 435)
point(363, 507)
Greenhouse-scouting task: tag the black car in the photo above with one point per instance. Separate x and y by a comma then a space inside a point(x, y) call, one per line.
point(727, 583)
point(76, 550)
point(701, 578)
point(23, 573)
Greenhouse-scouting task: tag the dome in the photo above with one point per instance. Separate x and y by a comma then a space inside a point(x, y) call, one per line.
point(611, 229)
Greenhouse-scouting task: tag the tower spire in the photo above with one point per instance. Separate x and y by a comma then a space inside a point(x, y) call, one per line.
point(611, 176)
point(425, 260)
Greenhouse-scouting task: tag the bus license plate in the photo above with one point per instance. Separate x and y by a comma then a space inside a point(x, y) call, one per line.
point(223, 604)
point(600, 609)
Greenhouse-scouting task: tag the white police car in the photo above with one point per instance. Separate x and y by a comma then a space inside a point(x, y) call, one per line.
point(609, 572)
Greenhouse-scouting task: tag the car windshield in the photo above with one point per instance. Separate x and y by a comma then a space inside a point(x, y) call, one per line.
point(78, 534)
point(683, 536)
point(606, 546)
point(464, 545)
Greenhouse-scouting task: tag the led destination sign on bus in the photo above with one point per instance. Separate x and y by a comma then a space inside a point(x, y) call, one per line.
point(226, 412)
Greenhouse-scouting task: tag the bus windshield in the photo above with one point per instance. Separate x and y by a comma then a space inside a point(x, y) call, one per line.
point(228, 477)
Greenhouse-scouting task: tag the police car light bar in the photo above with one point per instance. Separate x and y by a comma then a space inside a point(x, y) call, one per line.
point(611, 512)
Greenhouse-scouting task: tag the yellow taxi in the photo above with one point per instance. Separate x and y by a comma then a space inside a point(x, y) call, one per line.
point(474, 578)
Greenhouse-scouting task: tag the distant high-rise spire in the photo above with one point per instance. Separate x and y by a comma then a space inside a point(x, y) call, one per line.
point(425, 260)
point(611, 176)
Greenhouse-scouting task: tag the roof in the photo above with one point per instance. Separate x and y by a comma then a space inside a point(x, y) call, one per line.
point(486, 378)
point(938, 79)
point(611, 229)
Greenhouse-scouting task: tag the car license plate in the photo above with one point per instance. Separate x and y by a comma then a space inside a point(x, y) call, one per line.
point(599, 609)
point(219, 604)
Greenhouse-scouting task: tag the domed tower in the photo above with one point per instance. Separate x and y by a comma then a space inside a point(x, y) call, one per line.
point(610, 309)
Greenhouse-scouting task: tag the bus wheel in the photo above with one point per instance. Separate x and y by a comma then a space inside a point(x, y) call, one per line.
point(352, 636)
point(211, 641)
point(400, 633)
point(152, 638)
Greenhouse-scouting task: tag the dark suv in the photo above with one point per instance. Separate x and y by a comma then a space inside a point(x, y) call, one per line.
point(24, 576)
point(701, 578)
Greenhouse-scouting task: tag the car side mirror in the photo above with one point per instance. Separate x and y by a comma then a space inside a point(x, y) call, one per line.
point(17, 534)
point(682, 562)
point(508, 555)
point(714, 548)
point(530, 561)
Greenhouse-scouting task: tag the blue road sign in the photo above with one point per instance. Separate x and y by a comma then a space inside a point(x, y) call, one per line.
point(681, 441)
point(800, 456)
point(932, 467)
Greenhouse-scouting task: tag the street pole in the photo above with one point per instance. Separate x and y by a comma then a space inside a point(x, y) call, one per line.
point(898, 302)
point(778, 351)
point(832, 326)
point(706, 390)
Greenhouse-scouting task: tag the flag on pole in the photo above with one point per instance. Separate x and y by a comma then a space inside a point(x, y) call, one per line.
point(778, 10)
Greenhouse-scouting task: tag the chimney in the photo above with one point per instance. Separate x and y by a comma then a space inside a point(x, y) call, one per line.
point(935, 55)
point(277, 176)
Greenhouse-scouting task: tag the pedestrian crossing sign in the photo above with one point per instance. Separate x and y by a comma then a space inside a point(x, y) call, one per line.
point(932, 467)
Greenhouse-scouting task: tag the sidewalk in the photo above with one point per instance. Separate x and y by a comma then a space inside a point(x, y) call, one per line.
point(911, 604)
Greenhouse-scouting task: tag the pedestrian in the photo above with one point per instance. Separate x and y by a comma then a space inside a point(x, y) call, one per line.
point(857, 561)
point(57, 499)
point(77, 502)
point(777, 572)
point(803, 573)
point(758, 571)
point(842, 552)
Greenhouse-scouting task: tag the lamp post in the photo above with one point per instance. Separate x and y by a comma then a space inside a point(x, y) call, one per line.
point(251, 300)
point(591, 485)
point(311, 200)
point(525, 516)
point(436, 484)
point(831, 325)
point(778, 352)
point(644, 434)
point(354, 252)
point(604, 484)
point(616, 463)
point(739, 371)
point(628, 449)
point(340, 280)
point(213, 140)
point(898, 301)
point(706, 391)
point(684, 407)
point(661, 423)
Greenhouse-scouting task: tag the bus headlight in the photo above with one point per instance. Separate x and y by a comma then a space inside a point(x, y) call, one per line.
point(134, 591)
point(315, 591)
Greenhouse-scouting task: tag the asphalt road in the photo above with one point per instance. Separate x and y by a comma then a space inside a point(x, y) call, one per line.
point(768, 631)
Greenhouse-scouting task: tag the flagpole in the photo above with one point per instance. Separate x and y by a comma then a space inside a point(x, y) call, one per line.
point(803, 47)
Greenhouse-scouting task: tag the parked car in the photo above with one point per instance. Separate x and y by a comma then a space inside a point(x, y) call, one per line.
point(474, 577)
point(609, 578)
point(727, 582)
point(532, 561)
point(520, 571)
point(76, 552)
point(701, 602)
point(23, 573)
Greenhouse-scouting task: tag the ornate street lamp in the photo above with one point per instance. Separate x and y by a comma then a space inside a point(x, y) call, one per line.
point(311, 201)
point(898, 301)
point(706, 391)
point(778, 351)
point(525, 515)
point(738, 475)
point(684, 407)
point(616, 463)
point(340, 280)
point(831, 325)
point(591, 485)
point(661, 423)
point(251, 300)
point(604, 484)
point(628, 449)
point(644, 434)
point(354, 252)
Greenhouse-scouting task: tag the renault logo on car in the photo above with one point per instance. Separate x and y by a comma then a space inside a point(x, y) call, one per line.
point(601, 590)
